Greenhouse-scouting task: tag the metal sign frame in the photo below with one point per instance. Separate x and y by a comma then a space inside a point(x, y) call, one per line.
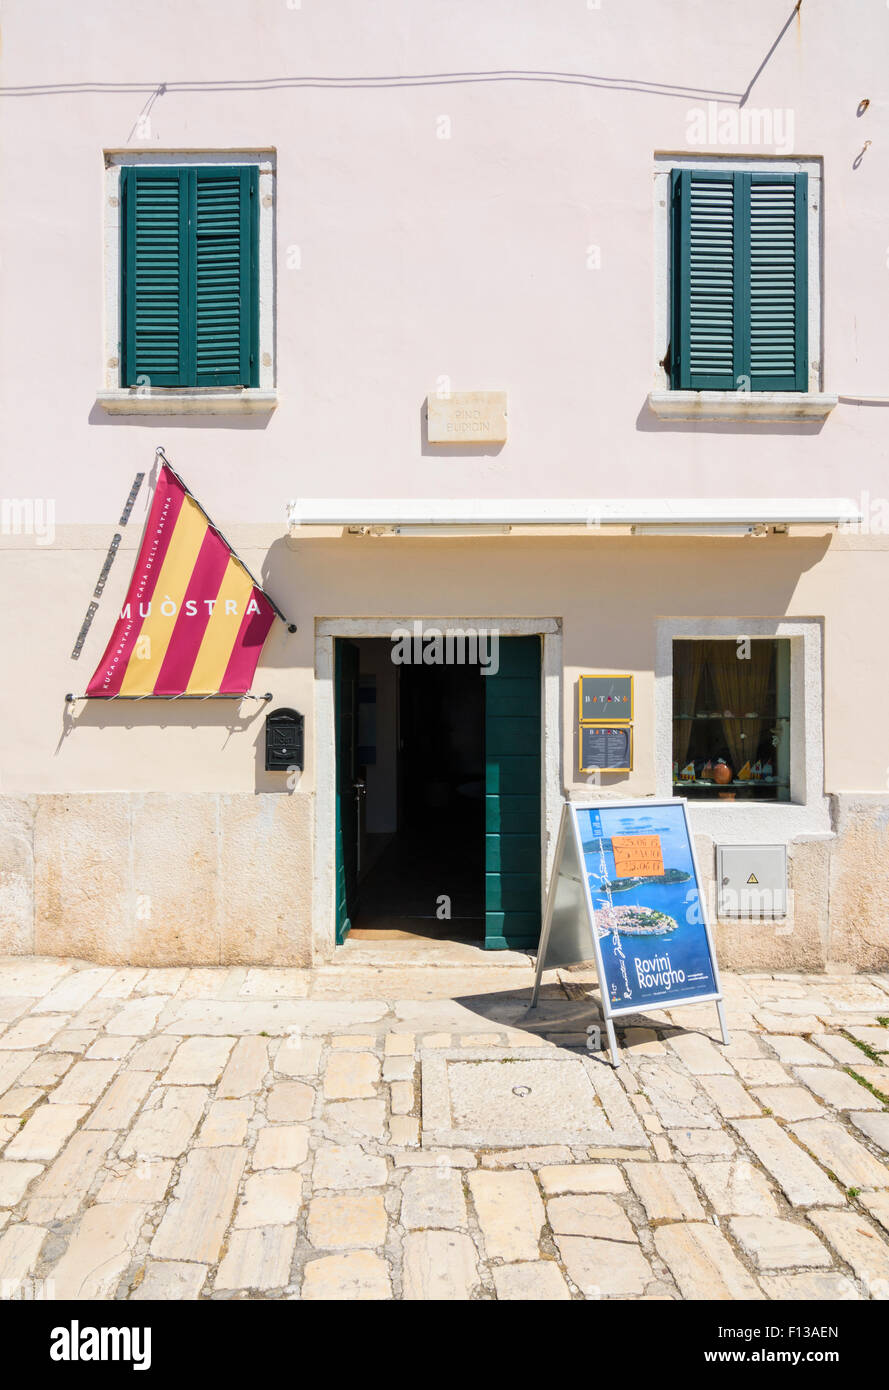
point(568, 826)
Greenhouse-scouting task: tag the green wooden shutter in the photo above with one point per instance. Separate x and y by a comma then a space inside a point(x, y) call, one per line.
point(190, 277)
point(778, 282)
point(704, 296)
point(512, 796)
point(154, 261)
point(224, 274)
point(740, 293)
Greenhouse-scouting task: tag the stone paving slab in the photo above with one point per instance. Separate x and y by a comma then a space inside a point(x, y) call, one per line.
point(486, 1098)
point(405, 1127)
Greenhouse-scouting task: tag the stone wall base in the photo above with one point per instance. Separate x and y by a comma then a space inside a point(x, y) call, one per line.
point(838, 913)
point(156, 878)
point(225, 879)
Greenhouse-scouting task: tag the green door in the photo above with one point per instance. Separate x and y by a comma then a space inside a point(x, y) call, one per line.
point(512, 796)
point(346, 717)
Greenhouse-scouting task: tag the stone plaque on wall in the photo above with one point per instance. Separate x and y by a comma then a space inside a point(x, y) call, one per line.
point(467, 417)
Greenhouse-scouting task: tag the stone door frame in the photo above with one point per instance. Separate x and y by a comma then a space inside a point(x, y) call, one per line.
point(326, 630)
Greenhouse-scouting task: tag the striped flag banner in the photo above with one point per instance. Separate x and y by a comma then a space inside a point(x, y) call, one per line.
point(194, 621)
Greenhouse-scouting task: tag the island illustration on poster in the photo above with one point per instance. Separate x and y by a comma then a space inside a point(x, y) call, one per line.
point(647, 905)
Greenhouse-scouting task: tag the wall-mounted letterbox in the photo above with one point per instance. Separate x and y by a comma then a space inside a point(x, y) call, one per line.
point(284, 740)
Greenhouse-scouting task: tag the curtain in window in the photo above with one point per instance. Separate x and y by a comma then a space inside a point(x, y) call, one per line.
point(686, 681)
point(741, 685)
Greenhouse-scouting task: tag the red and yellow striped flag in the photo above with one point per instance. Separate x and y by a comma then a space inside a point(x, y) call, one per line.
point(193, 622)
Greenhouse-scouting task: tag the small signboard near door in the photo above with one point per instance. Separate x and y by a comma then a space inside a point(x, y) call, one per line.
point(606, 698)
point(605, 749)
point(626, 892)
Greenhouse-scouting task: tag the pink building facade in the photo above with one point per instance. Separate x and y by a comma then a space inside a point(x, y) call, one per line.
point(564, 331)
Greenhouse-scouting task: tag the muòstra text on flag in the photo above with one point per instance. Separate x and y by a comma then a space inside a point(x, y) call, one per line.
point(194, 621)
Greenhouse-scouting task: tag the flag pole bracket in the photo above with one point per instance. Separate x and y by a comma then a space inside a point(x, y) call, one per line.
point(71, 699)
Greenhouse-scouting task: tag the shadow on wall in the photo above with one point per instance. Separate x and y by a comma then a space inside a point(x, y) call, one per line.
point(637, 85)
point(281, 575)
point(229, 716)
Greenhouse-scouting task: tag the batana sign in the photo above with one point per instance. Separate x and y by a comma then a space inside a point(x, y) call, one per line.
point(606, 699)
point(626, 892)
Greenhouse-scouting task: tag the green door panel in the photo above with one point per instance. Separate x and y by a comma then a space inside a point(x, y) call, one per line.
point(505, 931)
point(512, 891)
point(512, 796)
point(510, 814)
point(508, 775)
point(346, 708)
point(507, 695)
point(506, 734)
point(510, 853)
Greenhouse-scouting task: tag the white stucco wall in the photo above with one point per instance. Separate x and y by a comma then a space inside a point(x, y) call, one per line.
point(421, 257)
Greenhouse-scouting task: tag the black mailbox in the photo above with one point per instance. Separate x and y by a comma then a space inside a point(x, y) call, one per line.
point(283, 740)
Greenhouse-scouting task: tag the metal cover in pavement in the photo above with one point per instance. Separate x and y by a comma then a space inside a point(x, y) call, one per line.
point(488, 1098)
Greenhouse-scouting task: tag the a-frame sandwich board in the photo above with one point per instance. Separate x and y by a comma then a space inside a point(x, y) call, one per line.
point(574, 927)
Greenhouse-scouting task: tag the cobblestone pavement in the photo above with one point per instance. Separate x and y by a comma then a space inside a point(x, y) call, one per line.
point(407, 1130)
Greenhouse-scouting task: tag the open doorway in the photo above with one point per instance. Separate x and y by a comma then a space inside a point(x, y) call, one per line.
point(438, 792)
point(418, 793)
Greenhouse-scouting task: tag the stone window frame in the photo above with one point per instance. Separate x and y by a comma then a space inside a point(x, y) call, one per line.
point(766, 406)
point(808, 810)
point(181, 400)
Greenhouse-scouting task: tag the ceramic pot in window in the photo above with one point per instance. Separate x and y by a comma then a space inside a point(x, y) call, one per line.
point(722, 773)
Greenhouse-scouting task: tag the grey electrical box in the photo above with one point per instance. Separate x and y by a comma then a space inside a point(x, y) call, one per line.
point(752, 880)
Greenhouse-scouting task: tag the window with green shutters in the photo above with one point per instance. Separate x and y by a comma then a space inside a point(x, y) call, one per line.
point(189, 293)
point(740, 290)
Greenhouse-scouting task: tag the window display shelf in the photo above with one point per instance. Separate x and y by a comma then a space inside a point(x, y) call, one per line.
point(736, 782)
point(765, 718)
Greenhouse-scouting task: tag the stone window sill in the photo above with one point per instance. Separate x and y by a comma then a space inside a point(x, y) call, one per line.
point(224, 400)
point(764, 406)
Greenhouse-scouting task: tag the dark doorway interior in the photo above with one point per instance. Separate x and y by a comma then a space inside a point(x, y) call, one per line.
point(421, 835)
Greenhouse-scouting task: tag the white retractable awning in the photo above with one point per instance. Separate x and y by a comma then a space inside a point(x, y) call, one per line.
point(448, 516)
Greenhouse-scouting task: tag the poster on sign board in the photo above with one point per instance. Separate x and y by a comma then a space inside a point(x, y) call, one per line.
point(626, 892)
